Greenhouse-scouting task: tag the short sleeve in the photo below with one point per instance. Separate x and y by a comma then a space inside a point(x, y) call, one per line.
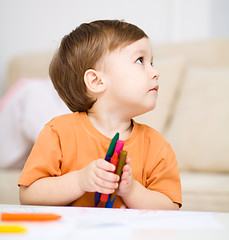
point(45, 158)
point(163, 176)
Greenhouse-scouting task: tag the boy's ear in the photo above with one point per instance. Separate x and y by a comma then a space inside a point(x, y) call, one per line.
point(93, 81)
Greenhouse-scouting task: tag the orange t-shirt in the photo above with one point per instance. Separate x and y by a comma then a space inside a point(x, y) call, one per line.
point(70, 142)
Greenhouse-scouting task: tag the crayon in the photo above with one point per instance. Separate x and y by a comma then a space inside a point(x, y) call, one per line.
point(121, 163)
point(109, 203)
point(11, 229)
point(108, 156)
point(119, 146)
point(114, 159)
point(97, 198)
point(29, 216)
point(111, 148)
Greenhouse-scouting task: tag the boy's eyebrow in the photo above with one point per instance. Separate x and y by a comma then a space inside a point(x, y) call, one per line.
point(142, 51)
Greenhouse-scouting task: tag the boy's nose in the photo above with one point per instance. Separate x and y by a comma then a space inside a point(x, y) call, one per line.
point(155, 74)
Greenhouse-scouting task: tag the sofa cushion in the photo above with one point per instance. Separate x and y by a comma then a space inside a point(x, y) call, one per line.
point(170, 69)
point(209, 53)
point(34, 65)
point(9, 191)
point(205, 191)
point(24, 110)
point(199, 129)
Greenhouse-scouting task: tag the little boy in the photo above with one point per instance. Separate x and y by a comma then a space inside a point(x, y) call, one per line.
point(103, 72)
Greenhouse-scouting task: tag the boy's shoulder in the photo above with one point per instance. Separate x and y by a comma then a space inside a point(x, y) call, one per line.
point(147, 129)
point(64, 121)
point(153, 139)
point(150, 133)
point(64, 117)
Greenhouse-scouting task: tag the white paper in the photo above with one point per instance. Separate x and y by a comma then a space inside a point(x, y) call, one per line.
point(108, 224)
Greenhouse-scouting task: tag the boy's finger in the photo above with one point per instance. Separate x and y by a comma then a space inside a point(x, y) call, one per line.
point(125, 176)
point(128, 160)
point(106, 185)
point(103, 164)
point(126, 168)
point(106, 175)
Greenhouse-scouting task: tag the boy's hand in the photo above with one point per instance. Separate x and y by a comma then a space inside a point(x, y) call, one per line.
point(127, 180)
point(98, 177)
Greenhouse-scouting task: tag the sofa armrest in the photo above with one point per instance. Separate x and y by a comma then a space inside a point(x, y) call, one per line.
point(9, 191)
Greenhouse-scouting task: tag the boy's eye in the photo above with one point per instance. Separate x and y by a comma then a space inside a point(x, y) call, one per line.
point(140, 60)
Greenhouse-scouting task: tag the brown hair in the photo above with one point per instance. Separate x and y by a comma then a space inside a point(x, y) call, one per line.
point(80, 51)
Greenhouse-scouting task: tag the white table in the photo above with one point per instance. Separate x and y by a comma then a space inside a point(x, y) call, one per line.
point(99, 223)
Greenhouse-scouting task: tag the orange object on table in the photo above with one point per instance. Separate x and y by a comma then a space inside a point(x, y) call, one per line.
point(29, 216)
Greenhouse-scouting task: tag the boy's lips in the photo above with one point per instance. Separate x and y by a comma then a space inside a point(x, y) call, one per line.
point(155, 88)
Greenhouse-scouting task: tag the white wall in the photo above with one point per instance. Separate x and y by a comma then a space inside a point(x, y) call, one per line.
point(33, 25)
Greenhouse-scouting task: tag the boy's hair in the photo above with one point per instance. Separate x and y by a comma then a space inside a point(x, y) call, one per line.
point(80, 51)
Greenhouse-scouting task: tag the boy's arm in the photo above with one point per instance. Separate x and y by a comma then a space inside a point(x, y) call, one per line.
point(143, 198)
point(65, 189)
point(135, 195)
point(61, 190)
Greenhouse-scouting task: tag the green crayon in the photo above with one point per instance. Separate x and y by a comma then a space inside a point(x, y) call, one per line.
point(111, 148)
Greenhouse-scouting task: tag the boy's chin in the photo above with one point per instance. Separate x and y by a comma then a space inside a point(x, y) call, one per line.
point(144, 110)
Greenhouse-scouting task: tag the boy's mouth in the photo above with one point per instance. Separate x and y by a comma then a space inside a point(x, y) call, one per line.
point(155, 88)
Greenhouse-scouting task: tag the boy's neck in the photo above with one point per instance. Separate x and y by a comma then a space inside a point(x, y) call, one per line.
point(109, 124)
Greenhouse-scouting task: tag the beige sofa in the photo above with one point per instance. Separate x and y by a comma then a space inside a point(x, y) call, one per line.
point(192, 113)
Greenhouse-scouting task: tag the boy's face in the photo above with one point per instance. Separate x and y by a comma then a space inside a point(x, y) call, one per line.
point(130, 78)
